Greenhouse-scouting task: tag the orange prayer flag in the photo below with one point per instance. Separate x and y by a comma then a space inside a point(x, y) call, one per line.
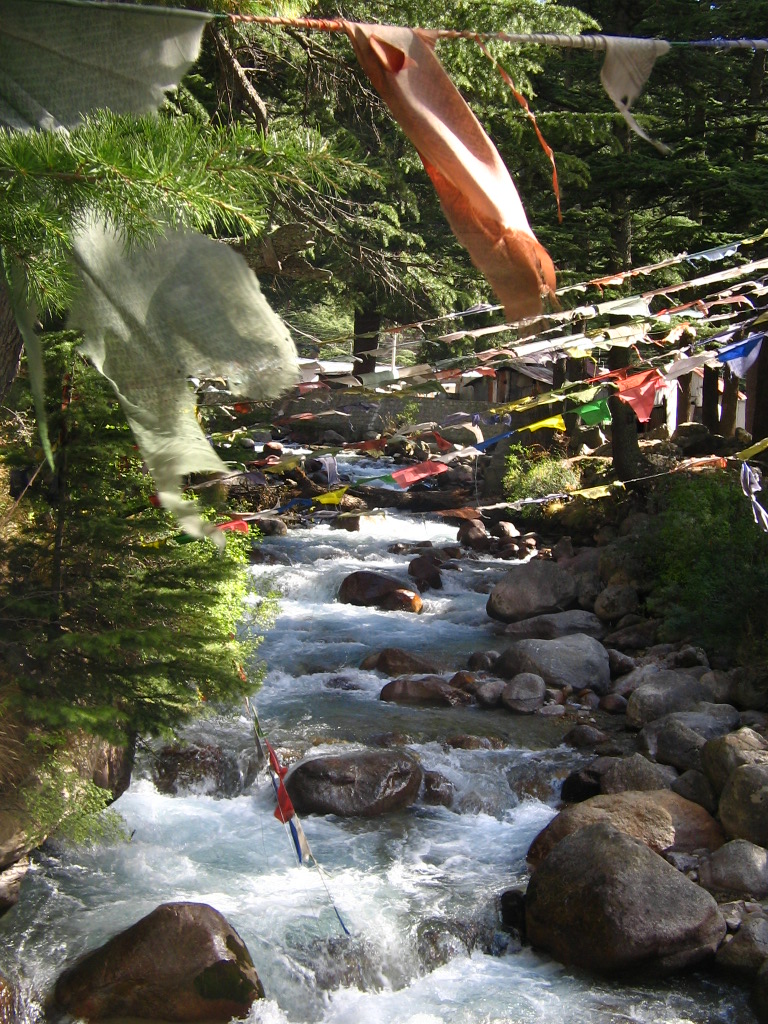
point(476, 192)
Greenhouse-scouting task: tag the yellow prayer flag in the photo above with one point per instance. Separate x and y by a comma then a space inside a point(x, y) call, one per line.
point(555, 422)
point(601, 491)
point(754, 450)
point(331, 498)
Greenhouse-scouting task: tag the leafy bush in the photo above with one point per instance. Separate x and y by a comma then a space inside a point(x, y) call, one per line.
point(534, 473)
point(707, 563)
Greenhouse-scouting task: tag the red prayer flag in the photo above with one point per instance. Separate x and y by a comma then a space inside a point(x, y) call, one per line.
point(476, 192)
point(412, 474)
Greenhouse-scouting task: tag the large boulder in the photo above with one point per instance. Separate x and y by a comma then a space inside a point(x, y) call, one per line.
point(524, 693)
point(424, 690)
point(739, 869)
point(666, 692)
point(204, 768)
point(747, 950)
point(722, 755)
point(555, 625)
point(743, 807)
point(363, 783)
point(604, 901)
point(636, 774)
point(377, 590)
point(678, 739)
point(536, 588)
point(578, 660)
point(661, 819)
point(183, 962)
point(394, 661)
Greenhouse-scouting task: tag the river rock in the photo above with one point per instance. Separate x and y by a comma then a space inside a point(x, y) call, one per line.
point(749, 688)
point(635, 636)
point(438, 791)
point(395, 662)
point(183, 962)
point(7, 1002)
point(524, 693)
point(661, 819)
point(743, 806)
point(585, 782)
point(620, 664)
point(488, 694)
point(694, 785)
point(604, 901)
point(585, 735)
point(424, 690)
point(747, 950)
point(363, 783)
point(636, 774)
point(672, 740)
point(616, 601)
point(206, 768)
point(425, 570)
point(722, 755)
point(376, 590)
point(739, 869)
point(10, 885)
point(760, 994)
point(667, 691)
point(555, 625)
point(579, 661)
point(536, 588)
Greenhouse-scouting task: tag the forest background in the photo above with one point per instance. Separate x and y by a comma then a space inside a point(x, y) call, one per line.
point(277, 143)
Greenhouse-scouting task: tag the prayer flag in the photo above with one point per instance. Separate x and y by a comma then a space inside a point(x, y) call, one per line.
point(476, 192)
point(639, 391)
point(553, 422)
point(412, 474)
point(742, 355)
point(594, 412)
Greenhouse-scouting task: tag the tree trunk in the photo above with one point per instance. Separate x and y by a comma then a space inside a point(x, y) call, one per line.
point(624, 440)
point(730, 404)
point(757, 396)
point(710, 415)
point(10, 342)
point(366, 343)
point(684, 399)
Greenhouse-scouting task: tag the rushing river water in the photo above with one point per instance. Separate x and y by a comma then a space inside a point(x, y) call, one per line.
point(418, 890)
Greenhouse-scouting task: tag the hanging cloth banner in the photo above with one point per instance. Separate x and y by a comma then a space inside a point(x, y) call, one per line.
point(593, 412)
point(412, 474)
point(627, 67)
point(742, 355)
point(754, 449)
point(682, 366)
point(59, 62)
point(639, 391)
point(750, 484)
point(553, 422)
point(476, 192)
point(331, 498)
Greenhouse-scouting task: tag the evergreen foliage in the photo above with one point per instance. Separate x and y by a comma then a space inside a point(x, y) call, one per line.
point(707, 564)
point(110, 622)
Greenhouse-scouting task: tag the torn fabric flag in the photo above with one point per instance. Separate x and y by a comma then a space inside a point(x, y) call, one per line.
point(187, 306)
point(62, 59)
point(742, 355)
point(639, 391)
point(593, 412)
point(627, 67)
point(553, 422)
point(750, 484)
point(412, 474)
point(476, 192)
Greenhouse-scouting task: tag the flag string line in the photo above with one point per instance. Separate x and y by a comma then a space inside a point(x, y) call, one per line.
point(588, 41)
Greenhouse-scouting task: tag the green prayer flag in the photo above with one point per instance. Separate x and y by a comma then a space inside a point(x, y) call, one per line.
point(594, 412)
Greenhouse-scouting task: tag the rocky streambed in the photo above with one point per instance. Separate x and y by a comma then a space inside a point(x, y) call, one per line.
point(525, 807)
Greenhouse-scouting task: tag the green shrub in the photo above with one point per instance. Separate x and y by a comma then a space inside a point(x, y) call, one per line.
point(707, 565)
point(534, 473)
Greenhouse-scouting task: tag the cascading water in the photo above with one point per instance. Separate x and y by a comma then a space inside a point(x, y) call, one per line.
point(418, 890)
